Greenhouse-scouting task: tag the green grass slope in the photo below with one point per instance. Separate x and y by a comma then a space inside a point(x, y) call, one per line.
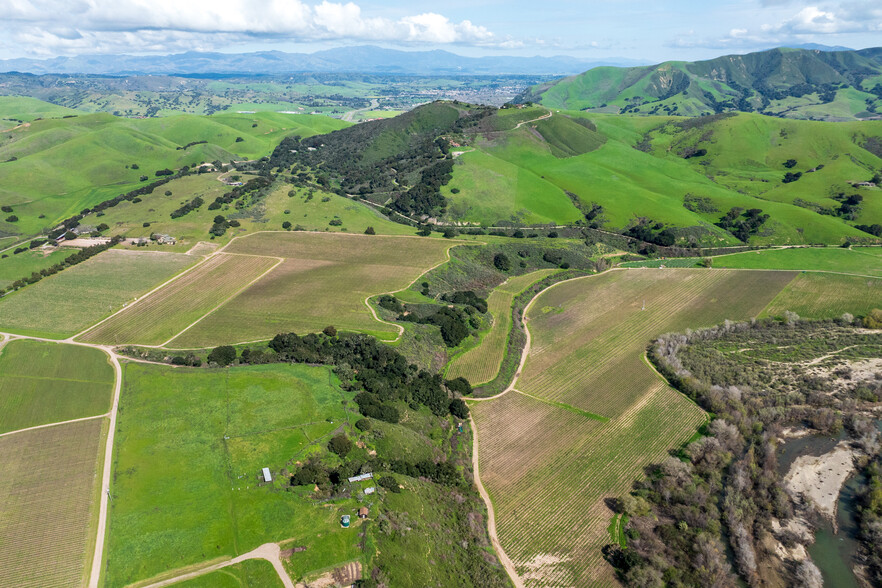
point(15, 110)
point(54, 168)
point(794, 83)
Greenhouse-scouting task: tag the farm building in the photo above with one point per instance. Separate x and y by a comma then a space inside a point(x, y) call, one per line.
point(164, 239)
point(361, 478)
point(267, 476)
point(370, 490)
point(344, 521)
point(363, 512)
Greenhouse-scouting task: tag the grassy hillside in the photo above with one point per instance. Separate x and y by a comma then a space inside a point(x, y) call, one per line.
point(53, 168)
point(684, 173)
point(794, 83)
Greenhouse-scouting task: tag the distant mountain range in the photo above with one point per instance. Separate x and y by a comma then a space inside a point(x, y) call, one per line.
point(794, 83)
point(363, 59)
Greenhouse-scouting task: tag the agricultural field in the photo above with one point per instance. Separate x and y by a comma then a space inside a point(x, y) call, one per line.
point(251, 573)
point(44, 383)
point(816, 295)
point(163, 314)
point(586, 333)
point(189, 447)
point(480, 364)
point(69, 301)
point(865, 261)
point(323, 281)
point(48, 502)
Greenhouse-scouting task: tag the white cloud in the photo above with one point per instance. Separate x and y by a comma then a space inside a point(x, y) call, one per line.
point(104, 26)
point(808, 24)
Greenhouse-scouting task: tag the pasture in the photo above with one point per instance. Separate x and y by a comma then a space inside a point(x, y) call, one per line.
point(251, 573)
point(481, 363)
point(158, 317)
point(48, 503)
point(16, 266)
point(323, 281)
point(190, 444)
point(548, 467)
point(44, 383)
point(68, 302)
point(820, 295)
point(858, 260)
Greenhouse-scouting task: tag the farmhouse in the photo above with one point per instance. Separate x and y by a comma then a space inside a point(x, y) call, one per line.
point(164, 239)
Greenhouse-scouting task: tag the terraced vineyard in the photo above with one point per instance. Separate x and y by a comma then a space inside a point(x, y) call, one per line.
point(160, 316)
point(47, 493)
point(550, 470)
point(323, 281)
point(819, 295)
point(481, 364)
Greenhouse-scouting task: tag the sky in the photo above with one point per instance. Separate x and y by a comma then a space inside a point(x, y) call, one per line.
point(648, 31)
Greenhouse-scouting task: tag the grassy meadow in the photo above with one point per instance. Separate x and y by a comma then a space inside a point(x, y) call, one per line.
point(586, 333)
point(156, 318)
point(48, 504)
point(857, 261)
point(480, 364)
point(44, 383)
point(16, 266)
point(69, 301)
point(251, 573)
point(189, 448)
point(323, 281)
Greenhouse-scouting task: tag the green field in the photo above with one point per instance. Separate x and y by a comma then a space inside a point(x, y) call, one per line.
point(820, 295)
point(542, 459)
point(68, 302)
point(156, 318)
point(14, 109)
point(98, 151)
point(480, 364)
point(22, 265)
point(323, 281)
point(44, 383)
point(856, 261)
point(185, 492)
point(48, 504)
point(252, 573)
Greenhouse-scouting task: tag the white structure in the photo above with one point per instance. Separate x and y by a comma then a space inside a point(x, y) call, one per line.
point(267, 476)
point(361, 478)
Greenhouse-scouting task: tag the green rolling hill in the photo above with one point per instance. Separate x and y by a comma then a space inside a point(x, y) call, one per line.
point(54, 167)
point(793, 83)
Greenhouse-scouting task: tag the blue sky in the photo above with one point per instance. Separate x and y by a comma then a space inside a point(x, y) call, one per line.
point(636, 29)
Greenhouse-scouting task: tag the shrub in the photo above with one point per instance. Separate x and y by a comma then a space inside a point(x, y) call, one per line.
point(501, 262)
point(330, 331)
point(12, 219)
point(340, 444)
point(286, 225)
point(6, 208)
point(459, 409)
point(364, 424)
point(223, 355)
point(873, 320)
point(389, 483)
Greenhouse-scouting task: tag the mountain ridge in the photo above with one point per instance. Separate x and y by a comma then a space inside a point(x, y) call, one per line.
point(795, 83)
point(360, 59)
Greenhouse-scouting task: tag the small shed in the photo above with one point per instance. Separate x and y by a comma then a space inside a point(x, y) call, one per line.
point(344, 521)
point(267, 476)
point(370, 490)
point(363, 512)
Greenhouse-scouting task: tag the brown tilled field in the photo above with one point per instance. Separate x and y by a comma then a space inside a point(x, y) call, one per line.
point(550, 470)
point(47, 500)
point(158, 317)
point(323, 281)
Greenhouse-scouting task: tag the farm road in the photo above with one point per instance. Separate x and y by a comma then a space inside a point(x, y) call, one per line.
point(268, 551)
